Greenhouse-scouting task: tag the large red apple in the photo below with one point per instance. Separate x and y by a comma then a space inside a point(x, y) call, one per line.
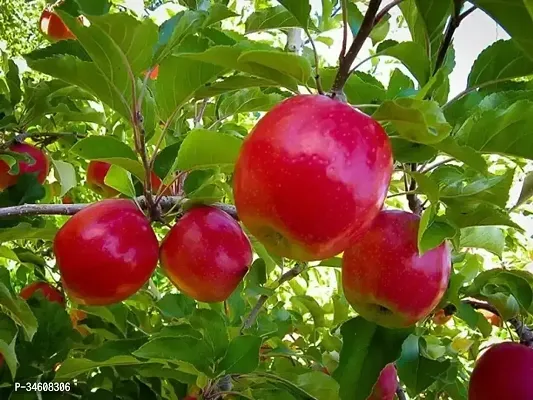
point(311, 177)
point(48, 291)
point(504, 371)
point(53, 26)
point(206, 254)
point(386, 385)
point(385, 278)
point(40, 165)
point(106, 252)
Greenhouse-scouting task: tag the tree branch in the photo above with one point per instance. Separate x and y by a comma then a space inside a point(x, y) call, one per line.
point(287, 276)
point(454, 23)
point(385, 11)
point(344, 6)
point(400, 393)
point(414, 202)
point(166, 203)
point(346, 63)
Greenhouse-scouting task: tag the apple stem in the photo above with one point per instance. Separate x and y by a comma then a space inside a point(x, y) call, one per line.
point(287, 276)
point(346, 60)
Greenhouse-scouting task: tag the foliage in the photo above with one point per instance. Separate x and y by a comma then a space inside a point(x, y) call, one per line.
point(222, 64)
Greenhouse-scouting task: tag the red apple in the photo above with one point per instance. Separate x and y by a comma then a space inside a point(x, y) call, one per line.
point(311, 177)
point(504, 371)
point(106, 252)
point(67, 200)
point(154, 72)
point(386, 385)
point(440, 317)
point(39, 165)
point(53, 26)
point(386, 280)
point(96, 173)
point(206, 254)
point(49, 292)
point(156, 185)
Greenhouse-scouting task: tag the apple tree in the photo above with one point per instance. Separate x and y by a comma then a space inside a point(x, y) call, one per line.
point(198, 201)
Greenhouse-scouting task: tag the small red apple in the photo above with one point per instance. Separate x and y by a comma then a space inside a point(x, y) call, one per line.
point(53, 26)
point(386, 385)
point(493, 319)
point(49, 292)
point(156, 185)
point(154, 72)
point(384, 277)
point(67, 200)
point(504, 371)
point(311, 177)
point(206, 254)
point(96, 173)
point(106, 252)
point(440, 317)
point(39, 165)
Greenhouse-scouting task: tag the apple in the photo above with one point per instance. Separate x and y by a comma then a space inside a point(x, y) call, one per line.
point(53, 26)
point(386, 385)
point(67, 200)
point(40, 165)
point(311, 177)
point(441, 318)
point(154, 73)
point(386, 280)
point(76, 316)
point(493, 319)
point(97, 171)
point(504, 371)
point(49, 292)
point(106, 252)
point(206, 254)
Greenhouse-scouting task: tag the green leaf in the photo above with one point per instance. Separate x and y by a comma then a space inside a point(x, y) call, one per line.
point(289, 64)
point(25, 231)
point(527, 190)
point(319, 384)
point(462, 153)
point(213, 326)
point(360, 88)
point(419, 121)
point(271, 18)
point(13, 82)
point(500, 131)
point(72, 367)
point(502, 60)
point(427, 186)
point(411, 55)
point(120, 179)
point(473, 319)
point(173, 31)
point(242, 356)
point(285, 384)
point(247, 100)
point(416, 371)
point(174, 305)
point(433, 230)
point(310, 304)
point(231, 84)
point(367, 348)
point(203, 149)
point(400, 85)
point(434, 14)
point(381, 30)
point(174, 90)
point(116, 314)
point(18, 310)
point(355, 18)
point(489, 238)
point(111, 150)
point(65, 174)
point(300, 9)
point(186, 349)
point(479, 215)
point(514, 17)
point(409, 152)
point(218, 12)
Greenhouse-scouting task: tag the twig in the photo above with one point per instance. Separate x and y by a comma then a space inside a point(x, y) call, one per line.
point(432, 167)
point(317, 65)
point(414, 202)
point(385, 11)
point(346, 63)
point(70, 209)
point(200, 114)
point(473, 89)
point(287, 276)
point(454, 23)
point(400, 393)
point(467, 13)
point(344, 7)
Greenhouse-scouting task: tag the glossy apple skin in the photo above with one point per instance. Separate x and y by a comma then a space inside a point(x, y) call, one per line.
point(206, 254)
point(49, 292)
point(440, 317)
point(41, 165)
point(384, 277)
point(311, 176)
point(53, 26)
point(106, 252)
point(386, 385)
point(504, 371)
